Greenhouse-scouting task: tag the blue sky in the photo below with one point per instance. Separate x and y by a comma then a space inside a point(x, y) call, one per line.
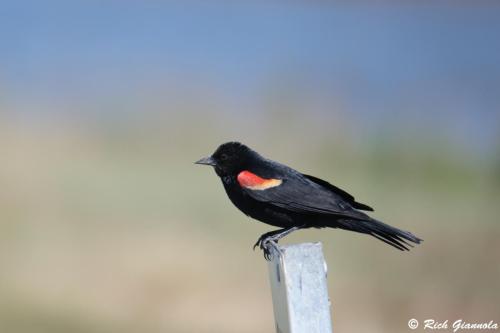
point(424, 58)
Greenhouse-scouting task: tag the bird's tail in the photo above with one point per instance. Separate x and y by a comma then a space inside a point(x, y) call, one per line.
point(400, 239)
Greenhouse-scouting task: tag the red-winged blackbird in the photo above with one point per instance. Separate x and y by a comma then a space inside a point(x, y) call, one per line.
point(278, 195)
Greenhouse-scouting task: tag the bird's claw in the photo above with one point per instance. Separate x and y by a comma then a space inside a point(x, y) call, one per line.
point(260, 242)
point(267, 254)
point(266, 244)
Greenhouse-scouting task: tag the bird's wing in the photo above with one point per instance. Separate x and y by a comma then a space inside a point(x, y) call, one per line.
point(346, 196)
point(300, 194)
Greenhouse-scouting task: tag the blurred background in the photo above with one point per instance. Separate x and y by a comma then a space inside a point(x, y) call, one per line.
point(106, 225)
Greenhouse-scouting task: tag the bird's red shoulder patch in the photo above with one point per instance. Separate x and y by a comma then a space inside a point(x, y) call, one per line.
point(251, 181)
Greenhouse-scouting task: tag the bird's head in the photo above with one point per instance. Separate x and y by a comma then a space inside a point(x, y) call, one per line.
point(229, 158)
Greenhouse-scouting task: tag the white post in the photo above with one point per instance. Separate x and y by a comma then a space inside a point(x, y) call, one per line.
point(299, 289)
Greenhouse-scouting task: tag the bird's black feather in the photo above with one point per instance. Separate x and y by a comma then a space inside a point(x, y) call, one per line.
point(346, 196)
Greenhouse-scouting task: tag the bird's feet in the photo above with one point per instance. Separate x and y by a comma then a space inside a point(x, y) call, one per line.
point(269, 240)
point(267, 243)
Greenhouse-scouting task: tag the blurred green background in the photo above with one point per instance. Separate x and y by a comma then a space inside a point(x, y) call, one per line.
point(106, 225)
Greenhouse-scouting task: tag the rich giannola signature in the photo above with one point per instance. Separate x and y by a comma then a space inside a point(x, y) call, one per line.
point(455, 326)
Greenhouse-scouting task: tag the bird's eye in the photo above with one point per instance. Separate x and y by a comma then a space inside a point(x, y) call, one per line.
point(223, 157)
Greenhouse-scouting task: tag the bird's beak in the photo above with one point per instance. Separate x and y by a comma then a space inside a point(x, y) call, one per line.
point(206, 161)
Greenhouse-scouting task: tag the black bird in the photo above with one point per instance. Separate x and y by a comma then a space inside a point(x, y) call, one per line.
point(278, 195)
